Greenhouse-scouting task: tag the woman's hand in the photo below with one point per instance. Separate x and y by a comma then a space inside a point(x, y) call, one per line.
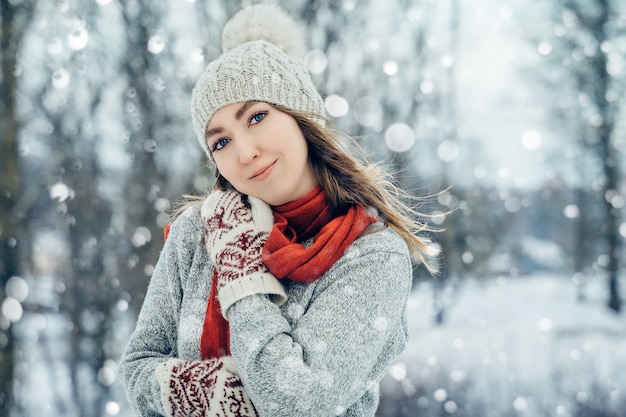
point(236, 228)
point(234, 237)
point(203, 388)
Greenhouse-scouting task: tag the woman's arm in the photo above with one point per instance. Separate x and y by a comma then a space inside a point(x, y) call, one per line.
point(340, 346)
point(154, 339)
point(161, 369)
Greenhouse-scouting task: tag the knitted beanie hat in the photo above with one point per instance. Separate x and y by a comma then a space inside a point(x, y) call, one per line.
point(261, 61)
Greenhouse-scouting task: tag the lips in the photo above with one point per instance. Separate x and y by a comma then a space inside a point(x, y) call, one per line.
point(263, 172)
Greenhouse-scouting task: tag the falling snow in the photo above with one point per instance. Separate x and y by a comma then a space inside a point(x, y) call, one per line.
point(517, 322)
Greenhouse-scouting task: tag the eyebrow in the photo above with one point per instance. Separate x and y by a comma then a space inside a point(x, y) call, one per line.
point(212, 132)
point(243, 109)
point(238, 116)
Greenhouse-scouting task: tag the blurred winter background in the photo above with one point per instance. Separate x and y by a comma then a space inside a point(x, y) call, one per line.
point(517, 105)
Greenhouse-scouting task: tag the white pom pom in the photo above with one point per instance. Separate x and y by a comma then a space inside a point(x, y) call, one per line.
point(264, 22)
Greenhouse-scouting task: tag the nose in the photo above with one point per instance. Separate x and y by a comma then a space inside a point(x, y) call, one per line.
point(247, 149)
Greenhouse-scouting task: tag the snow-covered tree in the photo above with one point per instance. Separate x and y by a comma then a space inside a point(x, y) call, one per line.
point(583, 49)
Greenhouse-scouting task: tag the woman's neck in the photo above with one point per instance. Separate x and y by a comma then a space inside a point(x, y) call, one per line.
point(306, 215)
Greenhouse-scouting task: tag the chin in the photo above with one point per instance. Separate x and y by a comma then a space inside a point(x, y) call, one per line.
point(274, 200)
point(275, 195)
point(266, 198)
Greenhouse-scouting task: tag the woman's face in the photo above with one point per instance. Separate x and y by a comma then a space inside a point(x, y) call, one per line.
point(261, 151)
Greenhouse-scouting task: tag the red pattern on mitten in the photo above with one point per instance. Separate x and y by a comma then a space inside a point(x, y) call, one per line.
point(235, 242)
point(203, 388)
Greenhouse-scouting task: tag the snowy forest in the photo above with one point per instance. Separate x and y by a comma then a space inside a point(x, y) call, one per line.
point(509, 117)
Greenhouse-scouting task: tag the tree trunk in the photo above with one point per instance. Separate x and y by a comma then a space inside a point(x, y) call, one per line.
point(11, 33)
point(605, 131)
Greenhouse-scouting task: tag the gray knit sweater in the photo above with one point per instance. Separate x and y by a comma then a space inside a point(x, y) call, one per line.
point(322, 353)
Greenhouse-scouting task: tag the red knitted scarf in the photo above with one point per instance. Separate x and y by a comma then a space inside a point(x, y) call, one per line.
point(285, 257)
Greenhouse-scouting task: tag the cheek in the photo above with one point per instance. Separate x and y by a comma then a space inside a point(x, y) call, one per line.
point(302, 149)
point(225, 168)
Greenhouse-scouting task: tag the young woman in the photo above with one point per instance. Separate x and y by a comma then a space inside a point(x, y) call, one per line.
point(284, 292)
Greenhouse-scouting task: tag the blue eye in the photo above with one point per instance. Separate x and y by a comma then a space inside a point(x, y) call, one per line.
point(257, 117)
point(219, 144)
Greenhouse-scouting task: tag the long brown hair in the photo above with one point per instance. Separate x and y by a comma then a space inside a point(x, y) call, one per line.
point(348, 178)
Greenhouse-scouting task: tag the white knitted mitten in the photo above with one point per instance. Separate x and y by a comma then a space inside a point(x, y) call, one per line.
point(209, 388)
point(236, 228)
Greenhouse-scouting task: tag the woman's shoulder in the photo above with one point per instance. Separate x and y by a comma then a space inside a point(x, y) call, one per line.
point(185, 244)
point(379, 243)
point(381, 238)
point(379, 255)
point(187, 226)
